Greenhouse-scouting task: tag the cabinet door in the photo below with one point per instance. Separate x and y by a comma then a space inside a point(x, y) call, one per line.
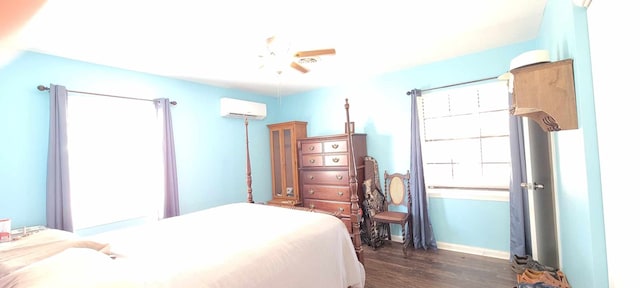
point(284, 161)
point(289, 165)
point(276, 158)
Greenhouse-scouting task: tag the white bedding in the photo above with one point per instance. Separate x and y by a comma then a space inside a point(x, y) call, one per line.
point(236, 245)
point(55, 258)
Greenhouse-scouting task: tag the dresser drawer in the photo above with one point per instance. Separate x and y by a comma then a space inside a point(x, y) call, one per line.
point(312, 160)
point(310, 147)
point(336, 193)
point(320, 160)
point(335, 146)
point(330, 206)
point(334, 177)
point(336, 160)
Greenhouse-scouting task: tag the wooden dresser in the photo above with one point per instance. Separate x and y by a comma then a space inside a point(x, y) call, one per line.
point(324, 173)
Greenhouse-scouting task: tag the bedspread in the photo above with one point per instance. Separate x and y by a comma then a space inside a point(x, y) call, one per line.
point(235, 245)
point(242, 245)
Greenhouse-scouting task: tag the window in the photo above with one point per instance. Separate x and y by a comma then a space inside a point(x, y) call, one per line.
point(465, 134)
point(115, 160)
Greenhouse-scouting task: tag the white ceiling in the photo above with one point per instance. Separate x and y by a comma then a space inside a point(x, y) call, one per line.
point(218, 42)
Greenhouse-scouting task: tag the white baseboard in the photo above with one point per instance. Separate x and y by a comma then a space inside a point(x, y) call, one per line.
point(396, 238)
point(465, 249)
point(474, 250)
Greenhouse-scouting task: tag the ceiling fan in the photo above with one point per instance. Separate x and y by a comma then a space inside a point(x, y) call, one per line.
point(278, 53)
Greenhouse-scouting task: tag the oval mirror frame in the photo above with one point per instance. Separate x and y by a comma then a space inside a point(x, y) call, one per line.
point(396, 190)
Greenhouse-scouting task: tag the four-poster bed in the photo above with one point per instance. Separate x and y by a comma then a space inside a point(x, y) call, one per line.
point(354, 210)
point(232, 245)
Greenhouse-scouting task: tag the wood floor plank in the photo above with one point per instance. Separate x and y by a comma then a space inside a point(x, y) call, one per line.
point(386, 267)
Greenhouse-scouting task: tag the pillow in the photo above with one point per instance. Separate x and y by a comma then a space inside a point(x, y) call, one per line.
point(24, 255)
point(74, 267)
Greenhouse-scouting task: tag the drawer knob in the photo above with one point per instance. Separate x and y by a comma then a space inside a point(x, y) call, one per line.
point(311, 177)
point(312, 161)
point(312, 206)
point(312, 191)
point(334, 146)
point(341, 209)
point(340, 193)
point(339, 177)
point(311, 148)
point(336, 159)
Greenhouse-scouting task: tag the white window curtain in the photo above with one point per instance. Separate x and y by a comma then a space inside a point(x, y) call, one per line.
point(115, 160)
point(465, 133)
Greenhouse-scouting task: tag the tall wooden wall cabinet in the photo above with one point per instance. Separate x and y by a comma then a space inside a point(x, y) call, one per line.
point(284, 162)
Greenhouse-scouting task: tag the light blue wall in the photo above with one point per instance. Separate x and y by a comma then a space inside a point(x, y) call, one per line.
point(564, 33)
point(210, 151)
point(381, 109)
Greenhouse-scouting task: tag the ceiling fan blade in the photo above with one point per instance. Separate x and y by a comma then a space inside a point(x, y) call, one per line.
point(312, 53)
point(298, 67)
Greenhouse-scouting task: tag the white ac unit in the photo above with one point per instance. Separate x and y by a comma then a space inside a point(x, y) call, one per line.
point(235, 108)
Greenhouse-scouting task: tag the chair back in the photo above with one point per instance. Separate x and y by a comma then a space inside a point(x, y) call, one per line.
point(397, 189)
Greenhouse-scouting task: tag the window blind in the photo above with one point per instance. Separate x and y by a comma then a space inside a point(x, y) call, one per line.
point(465, 133)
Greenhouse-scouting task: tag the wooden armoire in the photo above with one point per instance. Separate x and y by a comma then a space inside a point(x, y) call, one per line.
point(284, 162)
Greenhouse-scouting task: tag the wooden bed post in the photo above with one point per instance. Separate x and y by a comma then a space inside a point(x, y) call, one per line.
point(353, 187)
point(246, 134)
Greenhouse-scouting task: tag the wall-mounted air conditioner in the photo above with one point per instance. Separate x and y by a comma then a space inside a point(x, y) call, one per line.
point(235, 108)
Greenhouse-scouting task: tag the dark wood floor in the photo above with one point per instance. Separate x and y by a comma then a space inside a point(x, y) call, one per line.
point(387, 268)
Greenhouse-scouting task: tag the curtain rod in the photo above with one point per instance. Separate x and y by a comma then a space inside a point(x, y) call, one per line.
point(42, 88)
point(456, 84)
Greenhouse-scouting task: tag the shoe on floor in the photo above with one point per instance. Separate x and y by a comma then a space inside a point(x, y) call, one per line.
point(520, 263)
point(536, 285)
point(557, 279)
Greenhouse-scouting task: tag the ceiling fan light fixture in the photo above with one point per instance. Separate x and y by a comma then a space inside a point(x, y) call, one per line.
point(308, 60)
point(278, 56)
